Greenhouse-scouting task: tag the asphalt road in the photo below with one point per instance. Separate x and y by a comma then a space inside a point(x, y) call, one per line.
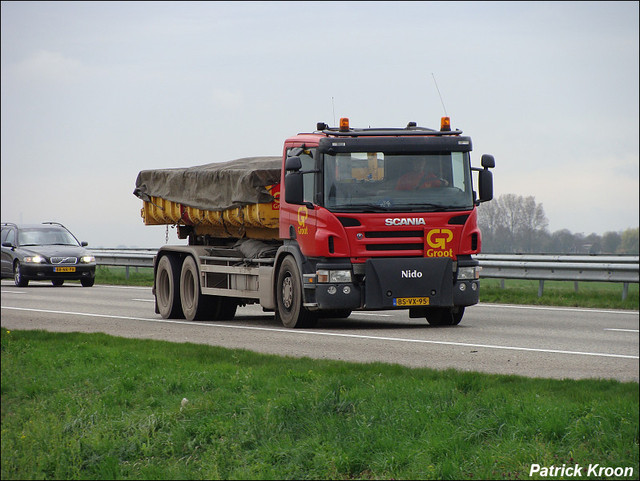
point(505, 339)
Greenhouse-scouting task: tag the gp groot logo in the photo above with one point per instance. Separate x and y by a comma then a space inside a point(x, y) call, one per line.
point(437, 240)
point(303, 214)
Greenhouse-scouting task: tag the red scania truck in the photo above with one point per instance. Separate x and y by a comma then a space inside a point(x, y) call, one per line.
point(347, 219)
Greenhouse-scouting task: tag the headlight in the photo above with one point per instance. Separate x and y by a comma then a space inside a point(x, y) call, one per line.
point(325, 275)
point(87, 259)
point(465, 273)
point(35, 259)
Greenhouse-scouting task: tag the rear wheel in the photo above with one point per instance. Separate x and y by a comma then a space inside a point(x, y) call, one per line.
point(289, 297)
point(18, 278)
point(445, 316)
point(167, 292)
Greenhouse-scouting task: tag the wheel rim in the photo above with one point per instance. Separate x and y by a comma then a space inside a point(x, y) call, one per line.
point(163, 287)
point(189, 291)
point(287, 292)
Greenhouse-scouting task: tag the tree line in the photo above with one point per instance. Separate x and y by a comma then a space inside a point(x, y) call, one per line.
point(512, 223)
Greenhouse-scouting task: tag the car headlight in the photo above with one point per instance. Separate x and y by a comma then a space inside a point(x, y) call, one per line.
point(87, 259)
point(338, 276)
point(34, 259)
point(466, 273)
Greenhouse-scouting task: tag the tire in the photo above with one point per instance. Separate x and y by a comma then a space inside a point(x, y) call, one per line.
point(167, 288)
point(445, 316)
point(18, 278)
point(88, 282)
point(57, 282)
point(289, 297)
point(195, 306)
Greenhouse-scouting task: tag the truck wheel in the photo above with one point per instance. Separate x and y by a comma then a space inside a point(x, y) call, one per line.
point(194, 304)
point(167, 291)
point(289, 297)
point(445, 316)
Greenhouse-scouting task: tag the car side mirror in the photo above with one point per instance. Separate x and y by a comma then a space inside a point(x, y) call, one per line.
point(8, 244)
point(84, 243)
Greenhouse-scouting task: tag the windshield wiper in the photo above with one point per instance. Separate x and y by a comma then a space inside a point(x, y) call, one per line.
point(362, 208)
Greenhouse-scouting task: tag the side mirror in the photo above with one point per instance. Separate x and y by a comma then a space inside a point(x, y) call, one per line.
point(7, 244)
point(485, 181)
point(293, 164)
point(293, 185)
point(487, 161)
point(84, 243)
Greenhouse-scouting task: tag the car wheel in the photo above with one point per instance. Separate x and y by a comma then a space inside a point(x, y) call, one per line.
point(57, 282)
point(18, 277)
point(87, 281)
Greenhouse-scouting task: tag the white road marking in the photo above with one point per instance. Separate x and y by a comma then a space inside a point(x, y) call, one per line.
point(620, 330)
point(333, 334)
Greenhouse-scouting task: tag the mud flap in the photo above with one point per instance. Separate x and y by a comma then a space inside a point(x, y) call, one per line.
point(390, 282)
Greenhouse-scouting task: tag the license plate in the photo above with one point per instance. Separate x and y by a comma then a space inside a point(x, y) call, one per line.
point(64, 269)
point(410, 301)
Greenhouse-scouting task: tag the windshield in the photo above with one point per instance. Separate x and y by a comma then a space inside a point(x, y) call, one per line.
point(361, 181)
point(45, 236)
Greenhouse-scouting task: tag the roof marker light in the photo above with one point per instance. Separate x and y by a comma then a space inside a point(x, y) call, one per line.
point(445, 124)
point(344, 124)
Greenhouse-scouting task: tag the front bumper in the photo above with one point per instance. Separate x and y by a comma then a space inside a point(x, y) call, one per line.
point(48, 272)
point(392, 283)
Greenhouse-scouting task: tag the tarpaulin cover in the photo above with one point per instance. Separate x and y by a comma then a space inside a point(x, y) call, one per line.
point(216, 186)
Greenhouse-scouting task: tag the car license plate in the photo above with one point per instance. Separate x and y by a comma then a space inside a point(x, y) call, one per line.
point(410, 301)
point(64, 269)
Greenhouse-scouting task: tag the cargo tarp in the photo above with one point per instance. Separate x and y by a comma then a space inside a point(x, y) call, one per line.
point(216, 186)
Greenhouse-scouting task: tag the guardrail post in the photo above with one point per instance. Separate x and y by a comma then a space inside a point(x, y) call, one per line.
point(625, 290)
point(575, 286)
point(127, 272)
point(540, 288)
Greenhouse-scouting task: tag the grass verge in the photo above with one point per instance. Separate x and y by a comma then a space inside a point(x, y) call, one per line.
point(92, 406)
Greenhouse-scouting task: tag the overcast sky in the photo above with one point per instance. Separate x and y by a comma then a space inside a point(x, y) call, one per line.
point(94, 92)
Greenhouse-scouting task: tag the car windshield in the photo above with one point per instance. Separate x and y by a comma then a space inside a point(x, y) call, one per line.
point(375, 181)
point(45, 236)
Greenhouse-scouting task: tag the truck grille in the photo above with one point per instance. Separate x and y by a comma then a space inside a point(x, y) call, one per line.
point(404, 240)
point(64, 260)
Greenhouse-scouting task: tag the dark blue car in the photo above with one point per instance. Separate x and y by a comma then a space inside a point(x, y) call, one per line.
point(47, 251)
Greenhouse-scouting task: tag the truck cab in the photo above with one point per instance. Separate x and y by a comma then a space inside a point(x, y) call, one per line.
point(385, 218)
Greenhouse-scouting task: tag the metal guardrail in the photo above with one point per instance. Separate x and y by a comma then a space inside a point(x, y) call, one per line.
point(540, 267)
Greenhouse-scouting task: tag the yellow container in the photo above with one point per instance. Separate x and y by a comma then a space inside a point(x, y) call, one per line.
point(254, 220)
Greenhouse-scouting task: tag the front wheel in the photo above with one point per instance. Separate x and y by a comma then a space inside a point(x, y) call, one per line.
point(18, 278)
point(445, 316)
point(167, 292)
point(290, 298)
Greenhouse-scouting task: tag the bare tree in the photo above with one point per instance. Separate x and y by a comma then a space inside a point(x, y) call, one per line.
point(513, 223)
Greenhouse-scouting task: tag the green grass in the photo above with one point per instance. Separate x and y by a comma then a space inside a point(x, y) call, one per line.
point(92, 406)
point(558, 293)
